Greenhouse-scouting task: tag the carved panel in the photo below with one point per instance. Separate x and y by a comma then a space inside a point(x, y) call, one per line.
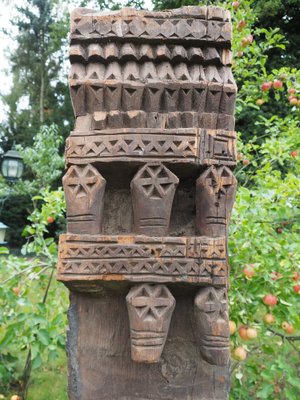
point(84, 190)
point(195, 260)
point(215, 194)
point(153, 189)
point(211, 316)
point(204, 147)
point(150, 308)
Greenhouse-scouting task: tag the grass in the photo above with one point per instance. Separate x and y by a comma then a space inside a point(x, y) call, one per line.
point(48, 382)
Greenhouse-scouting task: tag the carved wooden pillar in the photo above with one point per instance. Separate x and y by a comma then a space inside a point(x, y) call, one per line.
point(149, 190)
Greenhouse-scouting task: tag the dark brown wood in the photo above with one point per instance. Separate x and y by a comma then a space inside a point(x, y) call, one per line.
point(100, 364)
point(84, 190)
point(150, 308)
point(154, 97)
point(153, 189)
point(215, 194)
point(211, 317)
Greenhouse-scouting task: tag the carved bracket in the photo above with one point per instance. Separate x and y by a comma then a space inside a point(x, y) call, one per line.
point(150, 308)
point(153, 189)
point(84, 191)
point(211, 318)
point(215, 194)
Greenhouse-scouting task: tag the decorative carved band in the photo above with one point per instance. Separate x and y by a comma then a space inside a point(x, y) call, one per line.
point(208, 24)
point(197, 146)
point(214, 95)
point(110, 52)
point(194, 260)
point(109, 122)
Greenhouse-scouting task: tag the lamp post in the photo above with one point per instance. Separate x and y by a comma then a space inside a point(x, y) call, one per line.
point(11, 169)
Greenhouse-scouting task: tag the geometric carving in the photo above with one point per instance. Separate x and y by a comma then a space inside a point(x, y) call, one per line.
point(150, 308)
point(184, 145)
point(153, 189)
point(152, 93)
point(172, 27)
point(196, 260)
point(211, 317)
point(215, 194)
point(84, 191)
point(141, 52)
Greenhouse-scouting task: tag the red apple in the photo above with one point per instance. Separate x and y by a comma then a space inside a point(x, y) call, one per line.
point(296, 276)
point(246, 162)
point(294, 153)
point(269, 319)
point(293, 101)
point(252, 333)
point(290, 329)
point(275, 275)
point(277, 84)
point(239, 353)
point(291, 91)
point(266, 86)
point(243, 332)
point(232, 327)
point(50, 220)
point(296, 288)
point(270, 300)
point(235, 4)
point(241, 25)
point(16, 291)
point(249, 271)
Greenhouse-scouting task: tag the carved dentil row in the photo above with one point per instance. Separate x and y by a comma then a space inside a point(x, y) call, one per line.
point(152, 188)
point(149, 72)
point(121, 52)
point(150, 309)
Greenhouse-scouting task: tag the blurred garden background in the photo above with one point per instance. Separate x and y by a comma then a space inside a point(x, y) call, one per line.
point(264, 234)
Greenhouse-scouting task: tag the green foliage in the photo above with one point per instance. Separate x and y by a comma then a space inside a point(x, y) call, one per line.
point(43, 159)
point(33, 314)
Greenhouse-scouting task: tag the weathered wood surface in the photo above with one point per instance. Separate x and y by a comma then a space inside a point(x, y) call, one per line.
point(100, 364)
point(149, 167)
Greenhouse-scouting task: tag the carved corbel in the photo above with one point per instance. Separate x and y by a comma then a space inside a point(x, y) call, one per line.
point(153, 189)
point(211, 317)
point(150, 308)
point(215, 194)
point(84, 192)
